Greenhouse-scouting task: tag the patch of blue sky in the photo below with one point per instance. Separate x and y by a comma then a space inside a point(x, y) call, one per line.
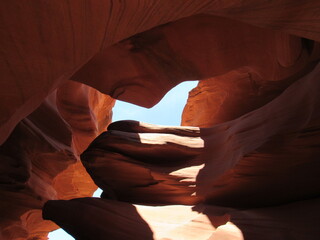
point(167, 112)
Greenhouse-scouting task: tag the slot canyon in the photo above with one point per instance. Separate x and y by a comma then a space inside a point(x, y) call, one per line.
point(243, 165)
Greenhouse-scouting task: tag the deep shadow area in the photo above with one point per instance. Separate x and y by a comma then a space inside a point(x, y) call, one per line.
point(96, 218)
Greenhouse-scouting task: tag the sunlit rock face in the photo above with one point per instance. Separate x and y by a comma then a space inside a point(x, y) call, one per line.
point(249, 163)
point(147, 164)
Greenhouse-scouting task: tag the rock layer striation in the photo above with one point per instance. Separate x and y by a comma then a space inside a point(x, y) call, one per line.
point(249, 163)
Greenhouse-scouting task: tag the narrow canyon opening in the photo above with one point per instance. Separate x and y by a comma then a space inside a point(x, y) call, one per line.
point(167, 112)
point(244, 160)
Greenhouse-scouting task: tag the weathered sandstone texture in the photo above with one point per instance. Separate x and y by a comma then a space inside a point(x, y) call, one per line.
point(40, 159)
point(245, 163)
point(47, 42)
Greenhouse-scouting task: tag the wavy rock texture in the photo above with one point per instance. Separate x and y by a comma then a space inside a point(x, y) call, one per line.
point(257, 109)
point(45, 43)
point(257, 162)
point(145, 167)
point(144, 67)
point(40, 160)
point(280, 133)
point(229, 96)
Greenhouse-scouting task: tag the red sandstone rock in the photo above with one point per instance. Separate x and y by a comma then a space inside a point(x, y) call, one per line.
point(229, 96)
point(127, 221)
point(198, 47)
point(87, 111)
point(277, 126)
point(145, 167)
point(268, 148)
point(117, 220)
point(288, 221)
point(242, 153)
point(297, 18)
point(45, 44)
point(39, 160)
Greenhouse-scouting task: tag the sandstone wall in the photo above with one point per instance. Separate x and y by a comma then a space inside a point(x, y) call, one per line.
point(40, 159)
point(249, 161)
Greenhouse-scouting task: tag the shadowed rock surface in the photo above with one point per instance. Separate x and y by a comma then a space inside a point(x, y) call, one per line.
point(248, 164)
point(40, 160)
point(145, 167)
point(127, 221)
point(47, 43)
point(259, 160)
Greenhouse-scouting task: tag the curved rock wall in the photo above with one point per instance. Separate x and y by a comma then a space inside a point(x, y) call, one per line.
point(46, 43)
point(254, 172)
point(249, 165)
point(40, 159)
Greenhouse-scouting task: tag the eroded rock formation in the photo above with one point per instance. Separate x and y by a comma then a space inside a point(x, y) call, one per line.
point(40, 159)
point(46, 43)
point(251, 165)
point(145, 166)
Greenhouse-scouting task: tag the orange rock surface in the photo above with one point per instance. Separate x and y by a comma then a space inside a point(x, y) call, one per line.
point(40, 159)
point(46, 43)
point(249, 163)
point(257, 162)
point(127, 221)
